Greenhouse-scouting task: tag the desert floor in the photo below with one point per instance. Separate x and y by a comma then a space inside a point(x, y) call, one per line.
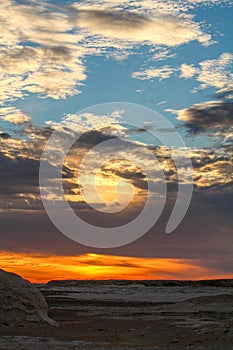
point(120, 315)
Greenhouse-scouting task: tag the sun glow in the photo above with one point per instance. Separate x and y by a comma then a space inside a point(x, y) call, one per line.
point(43, 268)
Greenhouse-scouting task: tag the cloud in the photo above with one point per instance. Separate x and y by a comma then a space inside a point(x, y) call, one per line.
point(14, 116)
point(154, 6)
point(163, 72)
point(5, 136)
point(48, 71)
point(20, 160)
point(113, 22)
point(28, 228)
point(19, 182)
point(42, 51)
point(187, 71)
point(84, 122)
point(209, 2)
point(125, 170)
point(213, 169)
point(162, 54)
point(39, 52)
point(196, 238)
point(215, 73)
point(164, 29)
point(207, 116)
point(43, 23)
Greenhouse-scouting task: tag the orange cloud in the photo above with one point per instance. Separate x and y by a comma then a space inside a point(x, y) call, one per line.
point(41, 269)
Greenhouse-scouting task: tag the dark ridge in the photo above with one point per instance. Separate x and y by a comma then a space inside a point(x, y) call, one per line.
point(146, 283)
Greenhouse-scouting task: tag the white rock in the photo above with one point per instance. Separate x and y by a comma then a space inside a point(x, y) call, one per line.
point(20, 302)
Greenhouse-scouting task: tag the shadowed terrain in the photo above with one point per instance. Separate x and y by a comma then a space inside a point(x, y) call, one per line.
point(131, 315)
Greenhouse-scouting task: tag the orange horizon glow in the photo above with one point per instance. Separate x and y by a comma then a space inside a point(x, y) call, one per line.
point(44, 268)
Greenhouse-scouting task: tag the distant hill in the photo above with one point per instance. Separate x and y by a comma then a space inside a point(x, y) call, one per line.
point(146, 283)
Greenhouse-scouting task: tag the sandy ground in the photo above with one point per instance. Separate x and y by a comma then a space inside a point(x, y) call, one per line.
point(28, 343)
point(130, 317)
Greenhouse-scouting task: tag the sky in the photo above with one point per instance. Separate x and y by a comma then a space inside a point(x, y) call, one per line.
point(115, 108)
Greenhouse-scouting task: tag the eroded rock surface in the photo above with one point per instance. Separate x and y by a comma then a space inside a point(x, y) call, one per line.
point(20, 302)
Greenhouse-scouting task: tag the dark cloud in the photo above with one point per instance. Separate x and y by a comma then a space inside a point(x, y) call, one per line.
point(224, 95)
point(57, 53)
point(18, 175)
point(5, 136)
point(19, 182)
point(116, 19)
point(208, 158)
point(92, 138)
point(136, 176)
point(207, 117)
point(39, 132)
point(205, 234)
point(25, 227)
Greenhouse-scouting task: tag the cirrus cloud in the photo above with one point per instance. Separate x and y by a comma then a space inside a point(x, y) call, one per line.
point(163, 72)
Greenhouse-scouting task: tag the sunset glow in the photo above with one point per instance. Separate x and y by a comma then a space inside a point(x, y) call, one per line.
point(41, 269)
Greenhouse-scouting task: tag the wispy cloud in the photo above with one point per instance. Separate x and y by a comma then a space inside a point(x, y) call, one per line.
point(215, 73)
point(14, 116)
point(161, 73)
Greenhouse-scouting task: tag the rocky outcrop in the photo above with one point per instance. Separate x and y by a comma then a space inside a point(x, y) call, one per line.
point(21, 303)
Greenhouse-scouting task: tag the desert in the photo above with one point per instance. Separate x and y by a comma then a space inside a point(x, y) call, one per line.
point(128, 315)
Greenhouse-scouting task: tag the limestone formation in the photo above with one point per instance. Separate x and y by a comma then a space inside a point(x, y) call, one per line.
point(21, 303)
